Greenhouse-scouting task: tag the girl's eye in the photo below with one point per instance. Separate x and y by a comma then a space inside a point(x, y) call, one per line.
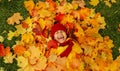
point(57, 32)
point(60, 31)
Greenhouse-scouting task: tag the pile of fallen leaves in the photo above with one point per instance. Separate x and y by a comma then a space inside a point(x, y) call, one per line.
point(83, 25)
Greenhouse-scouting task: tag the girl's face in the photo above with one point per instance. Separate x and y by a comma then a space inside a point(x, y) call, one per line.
point(60, 36)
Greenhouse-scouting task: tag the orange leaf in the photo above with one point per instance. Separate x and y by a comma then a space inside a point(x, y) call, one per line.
point(19, 49)
point(29, 5)
point(84, 12)
point(14, 19)
point(7, 50)
point(52, 4)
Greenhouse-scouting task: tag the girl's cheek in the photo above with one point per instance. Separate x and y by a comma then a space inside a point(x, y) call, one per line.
point(55, 36)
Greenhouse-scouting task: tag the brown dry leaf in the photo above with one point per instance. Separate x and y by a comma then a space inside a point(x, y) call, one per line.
point(14, 19)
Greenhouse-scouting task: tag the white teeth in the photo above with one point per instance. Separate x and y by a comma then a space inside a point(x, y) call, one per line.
point(60, 37)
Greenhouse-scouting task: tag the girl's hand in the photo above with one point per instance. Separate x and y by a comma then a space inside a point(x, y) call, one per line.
point(52, 44)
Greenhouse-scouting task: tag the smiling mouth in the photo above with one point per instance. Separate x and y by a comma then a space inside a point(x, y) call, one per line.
point(60, 38)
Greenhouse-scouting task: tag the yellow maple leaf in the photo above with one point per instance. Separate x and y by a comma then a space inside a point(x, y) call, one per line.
point(22, 61)
point(14, 19)
point(42, 23)
point(35, 52)
point(87, 49)
point(2, 68)
point(115, 65)
point(44, 13)
point(65, 8)
point(10, 35)
point(113, 1)
point(26, 54)
point(52, 58)
point(60, 9)
point(29, 5)
point(94, 2)
point(92, 63)
point(102, 22)
point(67, 18)
point(107, 3)
point(68, 7)
point(92, 13)
point(1, 38)
point(41, 63)
point(40, 5)
point(20, 30)
point(108, 41)
point(75, 6)
point(9, 58)
point(81, 3)
point(77, 48)
point(27, 38)
point(28, 21)
point(79, 33)
point(119, 49)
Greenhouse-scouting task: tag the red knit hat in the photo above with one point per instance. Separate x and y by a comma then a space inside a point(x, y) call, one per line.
point(57, 27)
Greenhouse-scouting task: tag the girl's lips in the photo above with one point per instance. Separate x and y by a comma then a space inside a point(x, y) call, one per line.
point(61, 37)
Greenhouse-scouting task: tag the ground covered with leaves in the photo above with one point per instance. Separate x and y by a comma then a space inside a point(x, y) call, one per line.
point(24, 34)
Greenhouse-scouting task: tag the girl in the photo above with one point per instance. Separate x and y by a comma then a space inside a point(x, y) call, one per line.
point(63, 47)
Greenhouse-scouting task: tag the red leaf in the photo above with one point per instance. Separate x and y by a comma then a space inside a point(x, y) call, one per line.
point(59, 17)
point(2, 50)
point(24, 25)
point(36, 31)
